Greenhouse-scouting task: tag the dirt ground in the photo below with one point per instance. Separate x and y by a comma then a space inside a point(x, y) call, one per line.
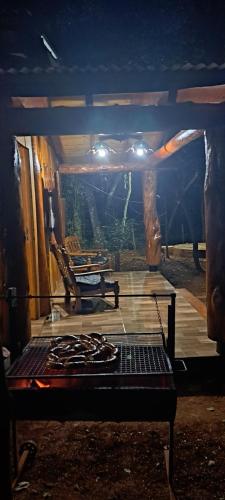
point(125, 461)
point(182, 273)
point(119, 461)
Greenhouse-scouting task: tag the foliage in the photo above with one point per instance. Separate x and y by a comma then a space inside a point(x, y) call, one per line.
point(119, 238)
point(73, 206)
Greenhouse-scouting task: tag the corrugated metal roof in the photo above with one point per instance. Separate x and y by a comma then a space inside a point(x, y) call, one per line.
point(113, 68)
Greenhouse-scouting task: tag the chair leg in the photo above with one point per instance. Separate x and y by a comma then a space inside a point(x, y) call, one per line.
point(78, 302)
point(67, 298)
point(67, 294)
point(116, 291)
point(77, 305)
point(102, 285)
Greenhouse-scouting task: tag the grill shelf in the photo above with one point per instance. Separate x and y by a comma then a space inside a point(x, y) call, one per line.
point(132, 360)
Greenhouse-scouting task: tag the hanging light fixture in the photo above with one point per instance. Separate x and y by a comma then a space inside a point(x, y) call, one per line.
point(101, 151)
point(140, 149)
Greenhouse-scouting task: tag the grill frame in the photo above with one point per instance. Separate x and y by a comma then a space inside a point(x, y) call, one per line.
point(143, 397)
point(97, 396)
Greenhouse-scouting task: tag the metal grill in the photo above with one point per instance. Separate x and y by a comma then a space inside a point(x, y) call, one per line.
point(133, 360)
point(139, 386)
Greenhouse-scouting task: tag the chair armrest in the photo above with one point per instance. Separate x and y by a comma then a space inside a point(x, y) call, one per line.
point(89, 273)
point(97, 250)
point(83, 267)
point(85, 253)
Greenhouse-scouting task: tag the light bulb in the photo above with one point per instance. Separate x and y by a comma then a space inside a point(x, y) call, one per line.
point(140, 152)
point(101, 152)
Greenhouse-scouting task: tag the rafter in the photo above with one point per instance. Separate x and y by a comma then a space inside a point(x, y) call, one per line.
point(114, 119)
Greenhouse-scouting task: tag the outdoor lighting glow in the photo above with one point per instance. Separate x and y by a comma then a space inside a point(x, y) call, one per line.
point(140, 149)
point(101, 150)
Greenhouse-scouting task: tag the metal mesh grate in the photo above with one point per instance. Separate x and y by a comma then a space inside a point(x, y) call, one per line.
point(133, 360)
point(143, 359)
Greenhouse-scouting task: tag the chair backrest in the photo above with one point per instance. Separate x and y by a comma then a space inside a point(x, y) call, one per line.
point(72, 244)
point(66, 272)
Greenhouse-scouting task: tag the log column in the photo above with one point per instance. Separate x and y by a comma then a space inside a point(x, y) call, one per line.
point(12, 235)
point(58, 209)
point(44, 285)
point(214, 191)
point(151, 221)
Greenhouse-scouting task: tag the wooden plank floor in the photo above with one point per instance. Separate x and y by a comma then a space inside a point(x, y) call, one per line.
point(138, 314)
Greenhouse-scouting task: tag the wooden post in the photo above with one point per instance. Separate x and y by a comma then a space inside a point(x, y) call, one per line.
point(3, 303)
point(151, 221)
point(44, 285)
point(57, 209)
point(214, 191)
point(12, 233)
point(5, 479)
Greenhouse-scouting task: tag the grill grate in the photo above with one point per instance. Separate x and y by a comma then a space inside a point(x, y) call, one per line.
point(133, 360)
point(143, 359)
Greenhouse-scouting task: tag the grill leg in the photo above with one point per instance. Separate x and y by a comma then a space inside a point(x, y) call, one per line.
point(168, 453)
point(171, 445)
point(14, 446)
point(27, 451)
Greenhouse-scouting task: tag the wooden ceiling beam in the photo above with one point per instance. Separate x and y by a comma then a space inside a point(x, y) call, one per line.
point(112, 119)
point(168, 149)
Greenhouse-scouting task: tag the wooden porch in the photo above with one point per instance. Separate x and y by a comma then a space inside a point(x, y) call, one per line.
point(139, 314)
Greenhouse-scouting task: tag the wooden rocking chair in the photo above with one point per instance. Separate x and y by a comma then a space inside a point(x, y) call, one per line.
point(82, 268)
point(80, 285)
point(82, 257)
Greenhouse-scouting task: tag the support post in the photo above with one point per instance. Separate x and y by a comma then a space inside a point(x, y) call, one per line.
point(12, 232)
point(5, 480)
point(58, 209)
point(214, 191)
point(14, 340)
point(151, 221)
point(44, 285)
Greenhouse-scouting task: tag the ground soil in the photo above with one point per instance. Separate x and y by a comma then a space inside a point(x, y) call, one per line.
point(182, 273)
point(125, 461)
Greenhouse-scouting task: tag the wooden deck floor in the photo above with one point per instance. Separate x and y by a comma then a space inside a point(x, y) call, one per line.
point(139, 314)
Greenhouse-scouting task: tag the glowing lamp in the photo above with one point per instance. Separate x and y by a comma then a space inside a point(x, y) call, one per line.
point(140, 149)
point(101, 150)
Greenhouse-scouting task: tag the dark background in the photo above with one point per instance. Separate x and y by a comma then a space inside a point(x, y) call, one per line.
point(155, 31)
point(124, 32)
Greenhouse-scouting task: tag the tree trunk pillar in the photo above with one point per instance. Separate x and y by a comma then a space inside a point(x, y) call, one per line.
point(151, 221)
point(12, 235)
point(58, 209)
point(44, 284)
point(214, 191)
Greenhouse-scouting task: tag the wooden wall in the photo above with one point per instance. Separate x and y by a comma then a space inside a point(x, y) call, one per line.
point(32, 182)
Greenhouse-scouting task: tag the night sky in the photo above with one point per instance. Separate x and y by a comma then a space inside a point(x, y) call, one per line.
point(154, 31)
